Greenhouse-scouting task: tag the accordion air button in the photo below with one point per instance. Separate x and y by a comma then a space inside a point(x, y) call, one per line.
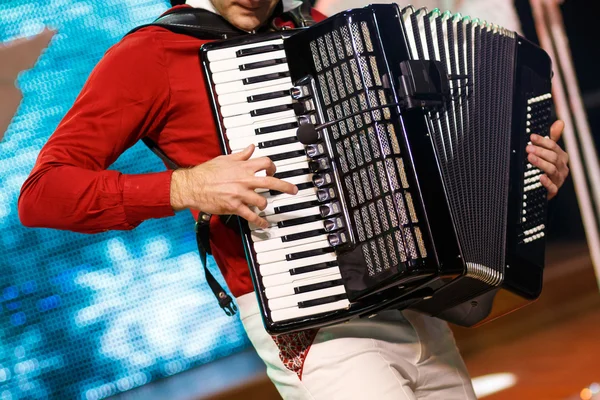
point(307, 134)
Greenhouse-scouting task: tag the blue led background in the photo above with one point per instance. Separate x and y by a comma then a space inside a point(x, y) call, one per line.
point(88, 316)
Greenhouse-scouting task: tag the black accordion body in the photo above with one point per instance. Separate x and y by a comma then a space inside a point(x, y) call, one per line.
point(405, 131)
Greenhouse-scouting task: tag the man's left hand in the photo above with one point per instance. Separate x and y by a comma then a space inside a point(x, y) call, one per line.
point(548, 156)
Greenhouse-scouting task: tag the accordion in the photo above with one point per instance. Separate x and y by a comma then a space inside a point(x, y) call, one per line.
point(405, 131)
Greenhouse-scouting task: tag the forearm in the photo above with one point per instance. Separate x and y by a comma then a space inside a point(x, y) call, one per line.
point(80, 200)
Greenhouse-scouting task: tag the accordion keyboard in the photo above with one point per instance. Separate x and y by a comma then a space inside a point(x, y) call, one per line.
point(294, 262)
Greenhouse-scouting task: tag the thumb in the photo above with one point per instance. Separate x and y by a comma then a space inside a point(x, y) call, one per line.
point(556, 130)
point(243, 155)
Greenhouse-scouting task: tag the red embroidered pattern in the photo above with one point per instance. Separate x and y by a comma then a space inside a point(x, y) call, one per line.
point(293, 348)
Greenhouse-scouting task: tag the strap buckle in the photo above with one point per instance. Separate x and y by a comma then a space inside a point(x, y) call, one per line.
point(227, 304)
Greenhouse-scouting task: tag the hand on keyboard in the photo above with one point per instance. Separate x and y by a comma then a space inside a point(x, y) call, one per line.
point(226, 185)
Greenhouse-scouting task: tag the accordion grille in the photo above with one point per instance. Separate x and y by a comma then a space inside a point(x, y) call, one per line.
point(366, 148)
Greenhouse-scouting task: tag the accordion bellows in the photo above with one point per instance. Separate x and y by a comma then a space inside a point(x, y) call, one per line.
point(417, 192)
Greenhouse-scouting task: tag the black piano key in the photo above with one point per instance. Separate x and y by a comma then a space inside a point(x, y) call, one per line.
point(296, 206)
point(318, 286)
point(278, 142)
point(289, 174)
point(276, 128)
point(268, 96)
point(298, 221)
point(322, 300)
point(309, 253)
point(285, 156)
point(259, 50)
point(303, 235)
point(264, 78)
point(262, 64)
point(271, 110)
point(301, 186)
point(314, 267)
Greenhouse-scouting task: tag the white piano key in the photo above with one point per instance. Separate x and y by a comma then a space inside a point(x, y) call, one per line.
point(242, 142)
point(242, 97)
point(247, 119)
point(234, 63)
point(288, 289)
point(276, 232)
point(238, 86)
point(301, 193)
point(273, 219)
point(277, 243)
point(237, 75)
point(230, 52)
point(270, 151)
point(279, 255)
point(292, 167)
point(250, 130)
point(270, 210)
point(296, 312)
point(244, 108)
point(286, 277)
point(283, 266)
point(292, 301)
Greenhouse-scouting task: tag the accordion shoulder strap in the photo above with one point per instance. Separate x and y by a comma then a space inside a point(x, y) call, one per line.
point(195, 22)
point(203, 25)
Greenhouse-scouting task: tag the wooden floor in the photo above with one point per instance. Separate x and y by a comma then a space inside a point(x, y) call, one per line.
point(553, 363)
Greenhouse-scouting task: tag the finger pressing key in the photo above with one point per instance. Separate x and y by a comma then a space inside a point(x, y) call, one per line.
point(263, 164)
point(253, 218)
point(271, 183)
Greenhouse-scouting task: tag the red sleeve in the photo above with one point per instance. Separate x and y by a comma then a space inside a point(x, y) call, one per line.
point(317, 15)
point(124, 99)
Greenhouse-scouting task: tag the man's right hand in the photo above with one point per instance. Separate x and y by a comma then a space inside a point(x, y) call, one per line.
point(226, 184)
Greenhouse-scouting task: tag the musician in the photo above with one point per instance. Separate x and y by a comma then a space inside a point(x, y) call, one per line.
point(150, 84)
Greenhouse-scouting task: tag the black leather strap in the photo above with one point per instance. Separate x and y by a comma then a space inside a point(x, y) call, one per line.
point(203, 25)
point(196, 22)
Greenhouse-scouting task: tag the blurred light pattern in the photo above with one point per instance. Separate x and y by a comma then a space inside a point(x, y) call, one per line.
point(493, 383)
point(88, 316)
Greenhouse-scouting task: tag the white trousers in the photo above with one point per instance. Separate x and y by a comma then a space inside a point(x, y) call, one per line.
point(394, 355)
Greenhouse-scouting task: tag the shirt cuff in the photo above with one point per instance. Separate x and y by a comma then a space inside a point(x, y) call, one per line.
point(147, 196)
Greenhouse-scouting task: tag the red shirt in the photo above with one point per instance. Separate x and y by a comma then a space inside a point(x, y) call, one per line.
point(148, 84)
